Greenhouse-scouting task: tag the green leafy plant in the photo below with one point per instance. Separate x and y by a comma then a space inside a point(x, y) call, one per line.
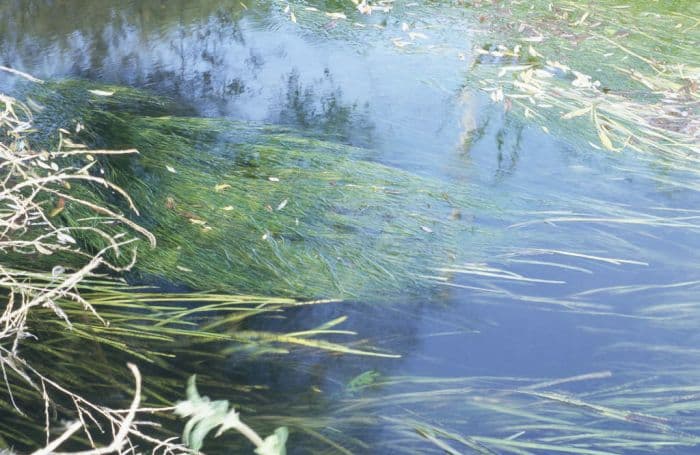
point(206, 415)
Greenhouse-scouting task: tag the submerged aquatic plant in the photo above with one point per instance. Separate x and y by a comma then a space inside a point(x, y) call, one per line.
point(252, 208)
point(59, 306)
point(614, 81)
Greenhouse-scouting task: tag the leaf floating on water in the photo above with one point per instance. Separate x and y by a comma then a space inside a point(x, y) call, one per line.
point(576, 113)
point(582, 80)
point(559, 66)
point(602, 135)
point(583, 18)
point(221, 187)
point(283, 204)
point(533, 53)
point(605, 139)
point(70, 144)
point(171, 169)
point(197, 222)
point(514, 68)
point(364, 8)
point(101, 92)
point(336, 15)
point(426, 229)
point(417, 35)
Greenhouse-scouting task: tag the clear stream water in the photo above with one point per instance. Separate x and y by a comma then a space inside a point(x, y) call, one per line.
point(413, 107)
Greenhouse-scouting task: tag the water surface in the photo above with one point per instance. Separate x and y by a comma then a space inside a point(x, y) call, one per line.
point(549, 296)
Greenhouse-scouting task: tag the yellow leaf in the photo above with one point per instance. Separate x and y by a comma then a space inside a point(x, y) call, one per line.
point(336, 15)
point(605, 140)
point(55, 212)
point(576, 113)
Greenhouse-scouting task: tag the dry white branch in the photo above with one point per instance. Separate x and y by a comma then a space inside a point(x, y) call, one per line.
point(34, 187)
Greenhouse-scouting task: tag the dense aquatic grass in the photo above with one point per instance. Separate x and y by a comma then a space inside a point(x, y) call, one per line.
point(615, 75)
point(59, 312)
point(258, 209)
point(594, 413)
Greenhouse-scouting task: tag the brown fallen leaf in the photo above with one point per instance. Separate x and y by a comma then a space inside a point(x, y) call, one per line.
point(60, 205)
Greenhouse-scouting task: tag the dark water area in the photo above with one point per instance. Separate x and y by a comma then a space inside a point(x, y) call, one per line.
point(590, 262)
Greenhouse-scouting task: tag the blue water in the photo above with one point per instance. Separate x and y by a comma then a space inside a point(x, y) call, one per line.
point(414, 108)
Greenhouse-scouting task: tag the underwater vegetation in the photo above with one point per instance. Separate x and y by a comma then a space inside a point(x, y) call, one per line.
point(302, 204)
point(251, 208)
point(265, 217)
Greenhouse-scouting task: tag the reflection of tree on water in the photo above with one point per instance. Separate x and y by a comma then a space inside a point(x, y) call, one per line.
point(320, 106)
point(508, 140)
point(210, 51)
point(499, 133)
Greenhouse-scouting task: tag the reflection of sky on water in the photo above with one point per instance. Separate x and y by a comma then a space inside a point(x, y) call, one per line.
point(410, 108)
point(404, 104)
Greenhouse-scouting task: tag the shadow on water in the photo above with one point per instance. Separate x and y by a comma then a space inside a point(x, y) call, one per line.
point(594, 268)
